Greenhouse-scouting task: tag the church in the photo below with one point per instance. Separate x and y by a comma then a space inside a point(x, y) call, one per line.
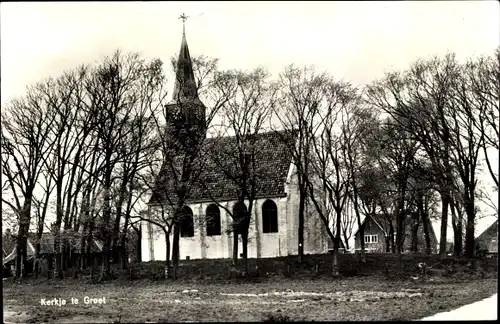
point(273, 228)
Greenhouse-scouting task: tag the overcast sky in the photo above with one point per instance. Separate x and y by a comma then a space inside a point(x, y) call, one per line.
point(355, 41)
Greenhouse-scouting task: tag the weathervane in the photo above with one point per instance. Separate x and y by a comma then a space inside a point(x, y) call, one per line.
point(184, 18)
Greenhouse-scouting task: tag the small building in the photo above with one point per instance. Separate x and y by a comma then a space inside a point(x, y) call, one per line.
point(46, 251)
point(488, 240)
point(376, 236)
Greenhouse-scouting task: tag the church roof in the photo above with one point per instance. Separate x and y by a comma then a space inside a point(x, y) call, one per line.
point(216, 182)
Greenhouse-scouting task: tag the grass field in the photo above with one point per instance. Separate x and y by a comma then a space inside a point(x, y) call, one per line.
point(304, 295)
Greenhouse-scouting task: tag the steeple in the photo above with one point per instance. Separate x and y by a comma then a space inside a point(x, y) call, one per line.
point(185, 113)
point(185, 84)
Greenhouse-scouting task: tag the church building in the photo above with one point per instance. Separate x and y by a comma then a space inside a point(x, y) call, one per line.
point(205, 232)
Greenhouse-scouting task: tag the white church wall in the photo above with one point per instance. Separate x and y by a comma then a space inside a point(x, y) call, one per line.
point(292, 216)
point(146, 241)
point(160, 248)
point(269, 243)
point(315, 234)
point(261, 245)
point(199, 246)
point(213, 247)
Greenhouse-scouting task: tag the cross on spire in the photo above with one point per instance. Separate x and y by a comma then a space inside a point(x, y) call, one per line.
point(184, 18)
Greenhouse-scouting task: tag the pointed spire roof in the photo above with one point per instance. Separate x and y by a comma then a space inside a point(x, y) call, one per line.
point(185, 84)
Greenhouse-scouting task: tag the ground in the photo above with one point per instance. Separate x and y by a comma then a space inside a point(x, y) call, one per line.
point(375, 296)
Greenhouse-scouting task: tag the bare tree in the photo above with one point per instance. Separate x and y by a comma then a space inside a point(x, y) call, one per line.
point(419, 101)
point(422, 185)
point(64, 97)
point(24, 141)
point(299, 91)
point(466, 107)
point(115, 92)
point(360, 129)
point(329, 187)
point(398, 153)
point(483, 75)
point(137, 149)
point(457, 206)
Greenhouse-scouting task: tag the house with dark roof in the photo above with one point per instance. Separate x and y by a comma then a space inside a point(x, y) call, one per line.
point(206, 224)
point(488, 240)
point(376, 234)
point(46, 250)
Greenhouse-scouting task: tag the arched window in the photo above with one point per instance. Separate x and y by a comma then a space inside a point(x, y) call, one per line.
point(213, 220)
point(269, 217)
point(187, 227)
point(238, 210)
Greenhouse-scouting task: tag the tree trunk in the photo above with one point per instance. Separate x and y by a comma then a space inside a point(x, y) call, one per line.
point(139, 245)
point(302, 201)
point(361, 230)
point(58, 273)
point(82, 247)
point(106, 216)
point(50, 265)
point(445, 200)
point(88, 244)
point(22, 238)
point(336, 246)
point(123, 240)
point(58, 270)
point(335, 262)
point(40, 233)
point(118, 252)
point(175, 250)
point(457, 230)
point(36, 261)
point(469, 230)
point(235, 246)
point(64, 253)
point(391, 238)
point(167, 255)
point(244, 241)
point(425, 223)
point(400, 219)
point(106, 264)
point(414, 232)
point(124, 256)
point(346, 240)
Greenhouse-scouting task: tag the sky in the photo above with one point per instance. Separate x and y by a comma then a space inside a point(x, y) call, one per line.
point(355, 41)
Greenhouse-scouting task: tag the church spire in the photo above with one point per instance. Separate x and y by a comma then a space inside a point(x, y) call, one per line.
point(185, 84)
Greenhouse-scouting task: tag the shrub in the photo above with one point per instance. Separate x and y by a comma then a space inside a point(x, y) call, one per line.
point(279, 317)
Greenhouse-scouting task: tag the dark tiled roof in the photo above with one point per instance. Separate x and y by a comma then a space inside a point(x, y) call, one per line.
point(47, 243)
point(492, 230)
point(273, 158)
point(489, 238)
point(8, 243)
